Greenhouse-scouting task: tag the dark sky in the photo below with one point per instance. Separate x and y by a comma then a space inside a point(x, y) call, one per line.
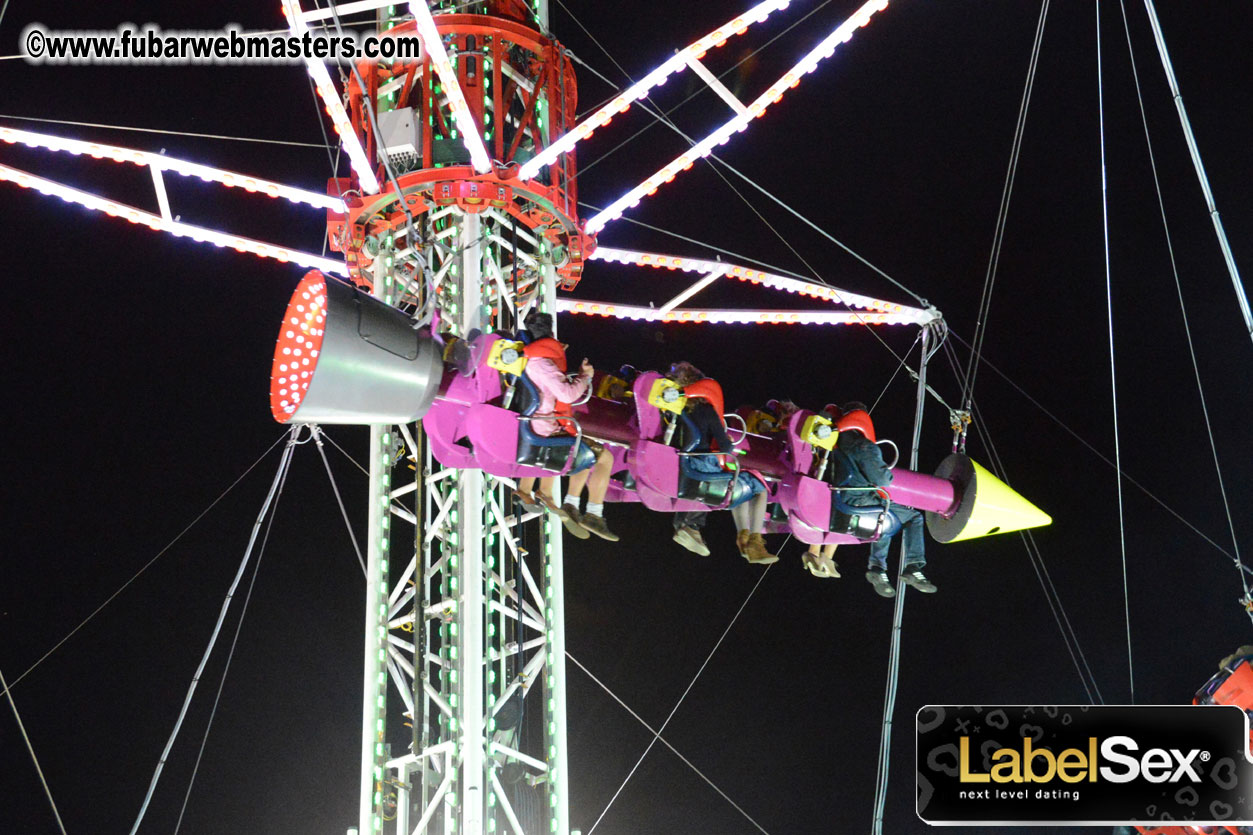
point(136, 379)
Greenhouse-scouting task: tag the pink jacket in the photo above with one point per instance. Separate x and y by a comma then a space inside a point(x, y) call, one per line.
point(553, 386)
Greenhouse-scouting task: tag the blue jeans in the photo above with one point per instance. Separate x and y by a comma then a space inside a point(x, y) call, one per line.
point(911, 541)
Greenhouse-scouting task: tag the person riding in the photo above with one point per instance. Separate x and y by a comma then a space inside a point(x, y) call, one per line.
point(857, 443)
point(748, 492)
point(546, 368)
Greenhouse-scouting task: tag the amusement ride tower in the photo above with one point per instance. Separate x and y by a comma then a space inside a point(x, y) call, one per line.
point(463, 618)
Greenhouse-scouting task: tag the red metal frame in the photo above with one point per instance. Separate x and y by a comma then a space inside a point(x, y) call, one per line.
point(548, 209)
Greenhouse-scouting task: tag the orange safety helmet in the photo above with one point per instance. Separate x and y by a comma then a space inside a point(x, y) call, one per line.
point(856, 418)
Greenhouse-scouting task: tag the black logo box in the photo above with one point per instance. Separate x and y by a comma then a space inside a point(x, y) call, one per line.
point(1212, 743)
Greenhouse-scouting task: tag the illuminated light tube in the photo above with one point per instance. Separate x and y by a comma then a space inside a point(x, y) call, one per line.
point(676, 63)
point(774, 93)
point(461, 114)
point(174, 227)
point(160, 162)
point(345, 357)
point(772, 280)
point(732, 317)
point(334, 107)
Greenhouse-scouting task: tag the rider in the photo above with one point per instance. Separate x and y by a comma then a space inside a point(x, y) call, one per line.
point(748, 496)
point(856, 442)
point(546, 368)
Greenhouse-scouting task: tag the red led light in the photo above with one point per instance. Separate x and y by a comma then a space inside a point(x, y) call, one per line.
point(298, 346)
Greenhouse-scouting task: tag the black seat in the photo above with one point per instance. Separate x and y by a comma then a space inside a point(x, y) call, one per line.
point(552, 452)
point(703, 487)
point(861, 521)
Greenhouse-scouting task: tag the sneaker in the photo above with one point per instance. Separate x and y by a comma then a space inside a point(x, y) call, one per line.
point(914, 577)
point(879, 579)
point(690, 539)
point(573, 520)
point(596, 525)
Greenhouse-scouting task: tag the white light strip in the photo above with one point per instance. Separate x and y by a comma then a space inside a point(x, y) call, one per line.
point(345, 9)
point(716, 85)
point(334, 107)
point(734, 317)
point(461, 114)
point(163, 199)
point(774, 93)
point(159, 162)
point(755, 276)
point(693, 290)
point(676, 63)
point(160, 224)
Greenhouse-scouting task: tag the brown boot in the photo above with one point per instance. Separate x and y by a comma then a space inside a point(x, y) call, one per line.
point(755, 550)
point(741, 542)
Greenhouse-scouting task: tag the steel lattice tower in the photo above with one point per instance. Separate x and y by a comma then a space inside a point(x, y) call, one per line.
point(470, 630)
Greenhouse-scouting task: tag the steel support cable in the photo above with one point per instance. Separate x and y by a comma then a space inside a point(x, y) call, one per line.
point(159, 131)
point(687, 690)
point(230, 655)
point(745, 258)
point(1113, 376)
point(898, 614)
point(1091, 448)
point(891, 379)
point(700, 90)
point(1195, 153)
point(662, 118)
point(665, 742)
point(343, 511)
point(1077, 655)
point(1187, 329)
point(1002, 215)
point(656, 112)
point(284, 463)
point(146, 565)
point(824, 233)
point(1036, 558)
point(21, 727)
point(394, 505)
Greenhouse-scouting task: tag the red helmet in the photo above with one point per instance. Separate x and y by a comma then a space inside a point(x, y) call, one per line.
point(859, 420)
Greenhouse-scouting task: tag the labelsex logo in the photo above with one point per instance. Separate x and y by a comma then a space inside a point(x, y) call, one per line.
point(1072, 765)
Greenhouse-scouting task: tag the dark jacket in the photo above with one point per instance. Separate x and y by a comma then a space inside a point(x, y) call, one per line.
point(713, 434)
point(866, 466)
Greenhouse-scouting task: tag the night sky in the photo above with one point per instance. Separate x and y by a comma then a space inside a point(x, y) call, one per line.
point(136, 378)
